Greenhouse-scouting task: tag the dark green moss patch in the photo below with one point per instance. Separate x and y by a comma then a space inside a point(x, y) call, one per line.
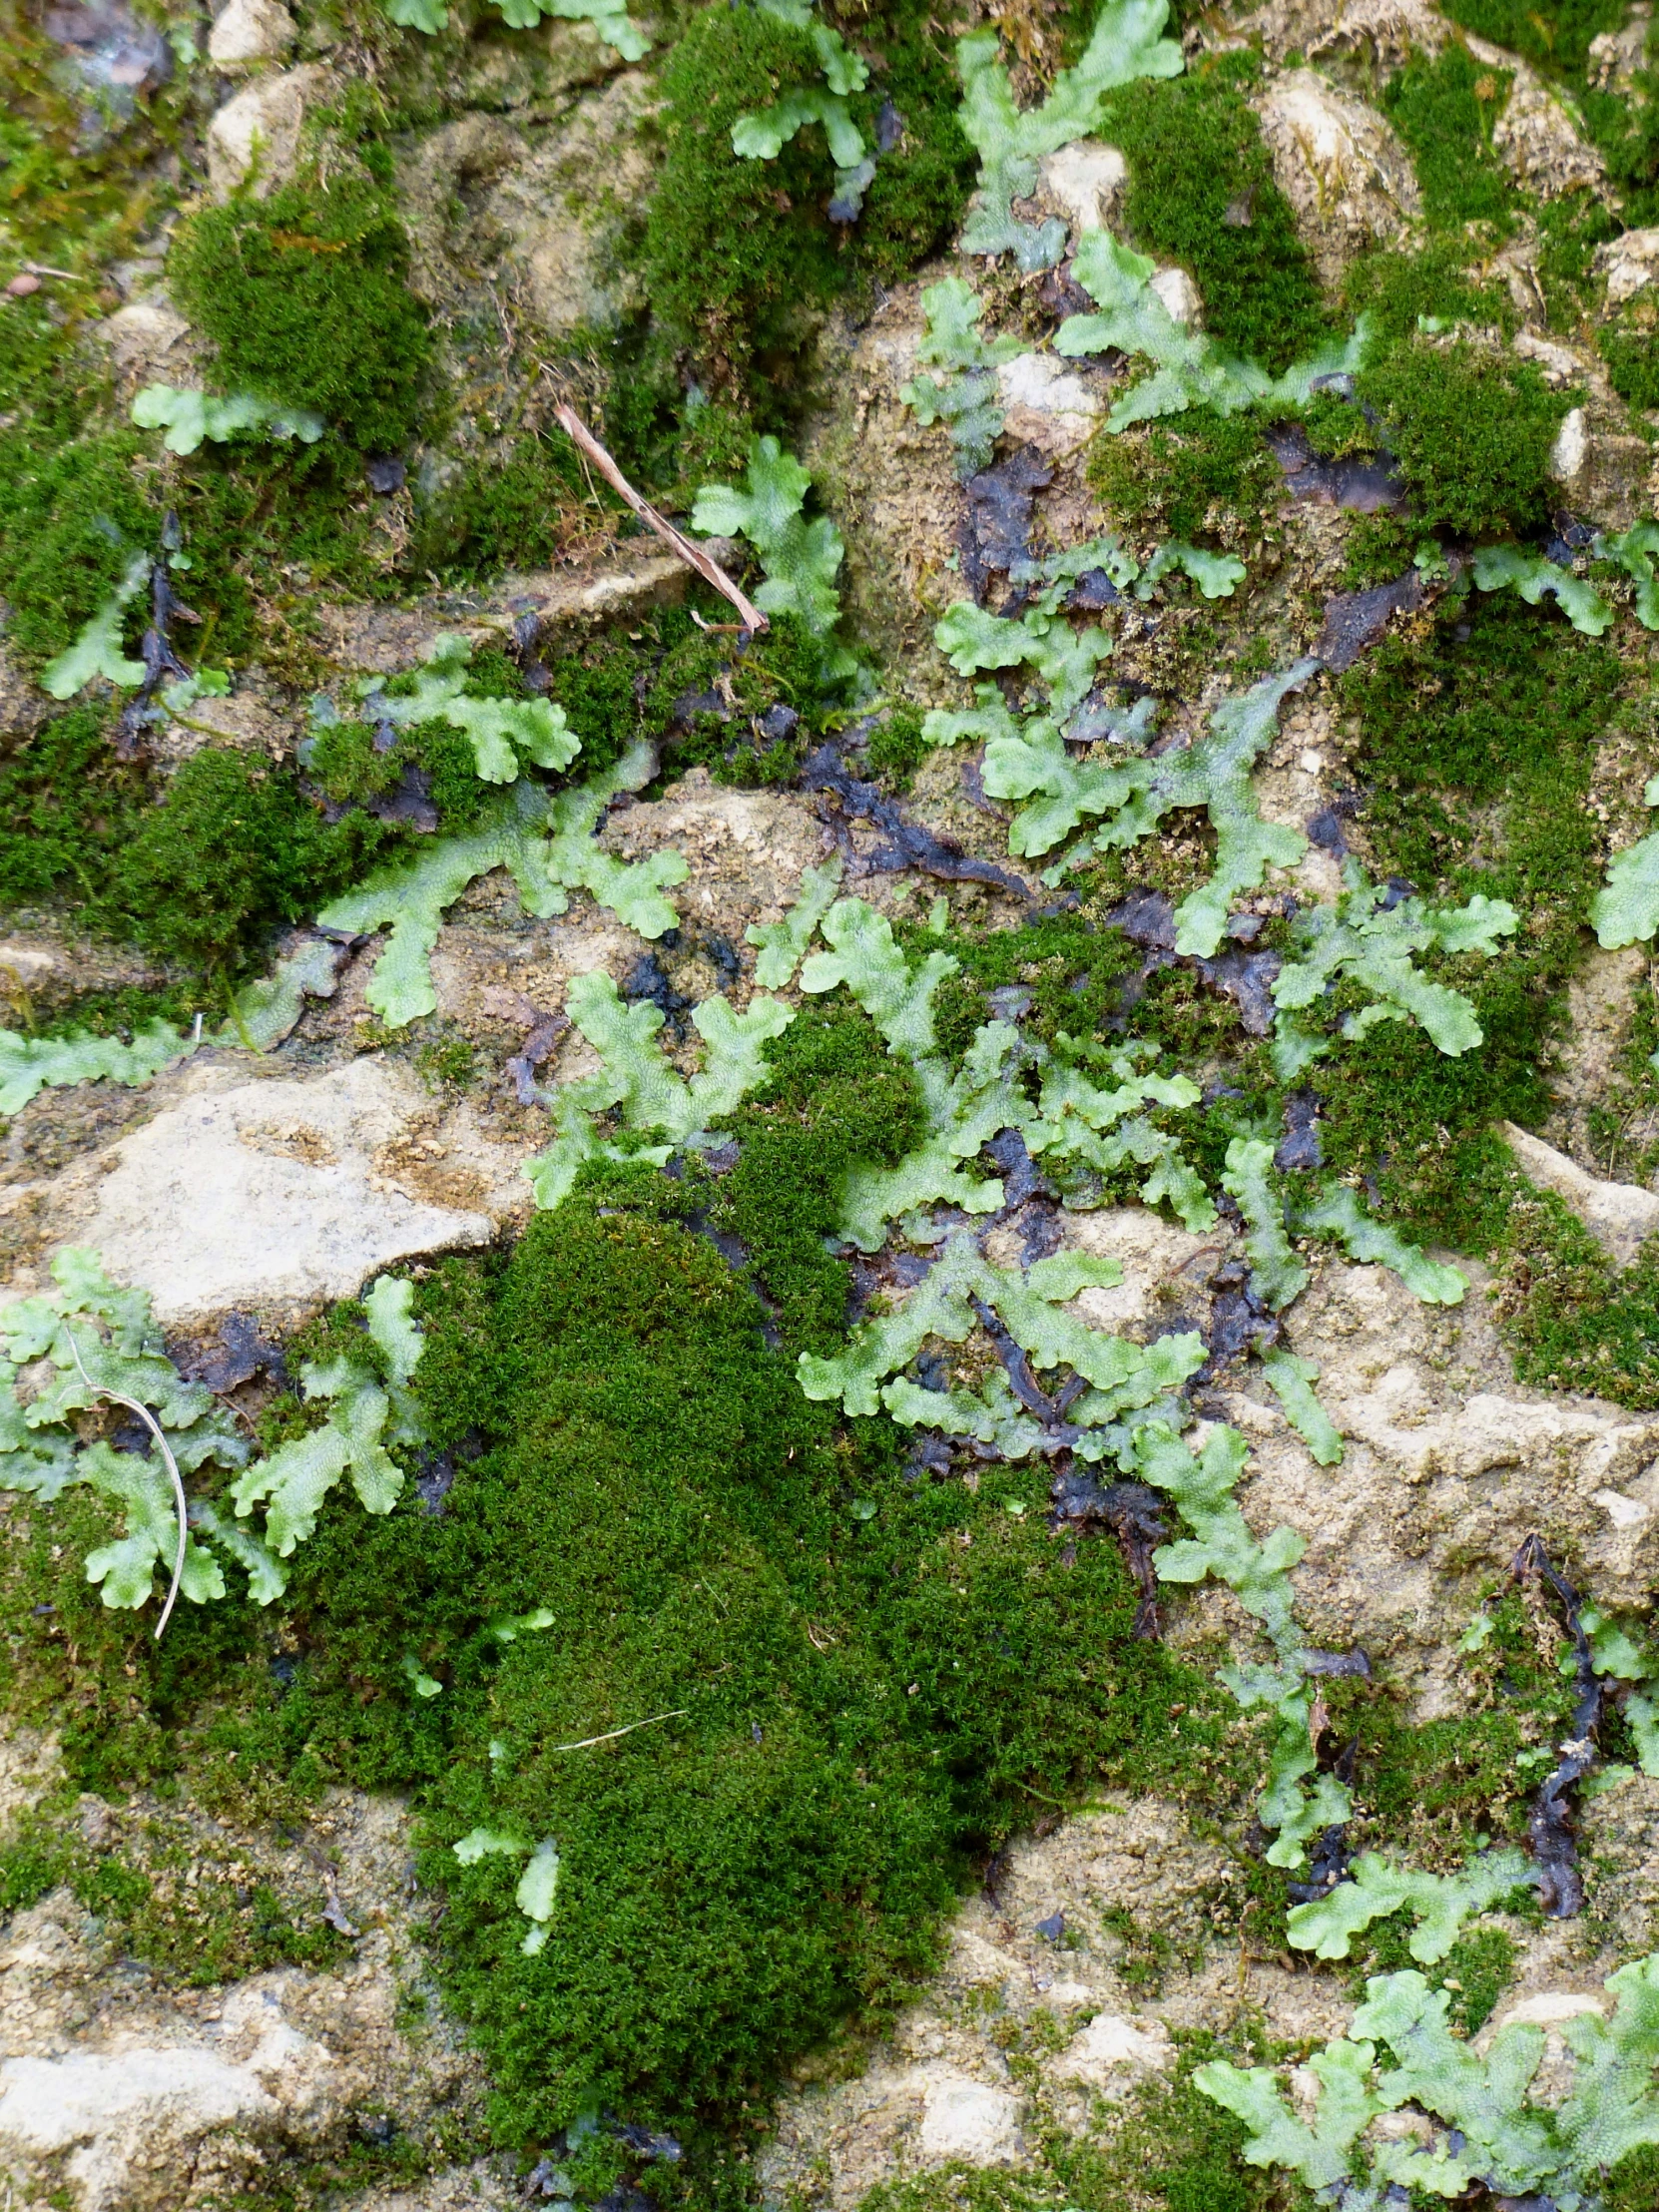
point(1472, 432)
point(1200, 470)
point(1444, 110)
point(738, 254)
point(72, 518)
point(1477, 751)
point(836, 1101)
point(304, 295)
point(862, 1680)
point(1202, 192)
point(230, 849)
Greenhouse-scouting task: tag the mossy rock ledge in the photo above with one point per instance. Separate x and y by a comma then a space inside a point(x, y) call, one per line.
point(895, 1331)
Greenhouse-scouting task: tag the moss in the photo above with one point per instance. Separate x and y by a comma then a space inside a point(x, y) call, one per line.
point(737, 253)
point(1195, 151)
point(1444, 110)
point(68, 809)
point(1473, 431)
point(897, 747)
point(72, 517)
point(1204, 468)
point(1396, 288)
point(835, 1100)
point(1556, 38)
point(303, 296)
point(1570, 231)
point(232, 850)
point(1476, 1971)
point(667, 678)
point(1633, 2183)
point(522, 510)
point(1575, 1321)
point(736, 250)
point(1478, 745)
point(1429, 1790)
point(1633, 365)
point(855, 1702)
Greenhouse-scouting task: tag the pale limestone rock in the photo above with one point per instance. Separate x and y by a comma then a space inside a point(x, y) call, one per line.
point(251, 33)
point(530, 205)
point(970, 2120)
point(1629, 263)
point(1110, 2046)
point(1133, 1853)
point(118, 2095)
point(1447, 1466)
point(1616, 56)
point(1551, 2006)
point(1621, 1215)
point(241, 721)
point(1390, 31)
point(1346, 175)
point(1606, 475)
point(1179, 294)
point(1049, 403)
point(1537, 139)
point(1560, 364)
point(1085, 181)
point(257, 132)
point(147, 340)
point(93, 2110)
point(282, 1193)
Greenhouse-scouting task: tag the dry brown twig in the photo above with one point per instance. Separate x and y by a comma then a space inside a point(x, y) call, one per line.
point(704, 564)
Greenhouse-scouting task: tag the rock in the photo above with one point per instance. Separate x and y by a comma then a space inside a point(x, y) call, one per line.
point(1049, 403)
point(147, 339)
point(1621, 1215)
point(1179, 294)
point(119, 2097)
point(1111, 2046)
point(623, 580)
point(1629, 262)
point(282, 1193)
point(967, 2120)
point(1616, 57)
point(1449, 1464)
point(1347, 177)
point(892, 486)
point(253, 140)
point(1605, 475)
point(942, 2074)
point(745, 849)
point(1085, 183)
point(481, 191)
point(1390, 31)
point(251, 31)
point(1537, 139)
point(560, 231)
point(23, 706)
point(241, 721)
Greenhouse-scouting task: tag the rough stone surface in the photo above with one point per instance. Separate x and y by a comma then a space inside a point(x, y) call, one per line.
point(1346, 175)
point(1085, 181)
point(249, 33)
point(255, 135)
point(482, 189)
point(1621, 1215)
point(284, 1193)
point(142, 2099)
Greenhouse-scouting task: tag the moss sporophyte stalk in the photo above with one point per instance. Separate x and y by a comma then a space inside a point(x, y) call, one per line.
point(926, 1121)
